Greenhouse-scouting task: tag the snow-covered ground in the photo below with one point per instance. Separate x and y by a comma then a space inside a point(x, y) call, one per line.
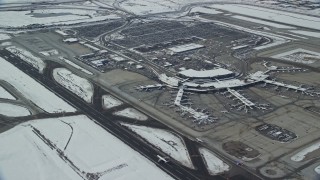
point(32, 90)
point(131, 113)
point(267, 23)
point(205, 9)
point(76, 66)
point(4, 94)
point(317, 169)
point(276, 38)
point(34, 150)
point(36, 62)
point(307, 33)
point(213, 163)
point(4, 37)
point(109, 102)
point(272, 15)
point(166, 141)
point(78, 85)
point(299, 55)
point(12, 110)
point(49, 17)
point(304, 152)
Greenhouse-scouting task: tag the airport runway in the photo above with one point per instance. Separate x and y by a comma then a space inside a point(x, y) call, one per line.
point(173, 168)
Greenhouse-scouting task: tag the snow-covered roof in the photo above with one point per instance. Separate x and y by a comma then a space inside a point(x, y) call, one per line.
point(186, 47)
point(206, 74)
point(218, 84)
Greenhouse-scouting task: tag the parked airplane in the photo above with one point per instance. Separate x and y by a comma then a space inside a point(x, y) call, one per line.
point(163, 159)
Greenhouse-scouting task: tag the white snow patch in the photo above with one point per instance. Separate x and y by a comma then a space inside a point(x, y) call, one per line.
point(32, 90)
point(49, 17)
point(307, 33)
point(51, 52)
point(299, 55)
point(6, 44)
point(280, 26)
point(317, 169)
point(131, 113)
point(4, 37)
point(303, 153)
point(213, 163)
point(78, 85)
point(34, 61)
point(12, 110)
point(109, 102)
point(4, 94)
point(91, 149)
point(166, 141)
point(76, 66)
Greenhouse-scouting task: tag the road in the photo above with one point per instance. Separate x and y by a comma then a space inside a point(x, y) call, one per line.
point(172, 168)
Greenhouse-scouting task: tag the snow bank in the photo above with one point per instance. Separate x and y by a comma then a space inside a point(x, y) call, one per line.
point(34, 150)
point(78, 85)
point(4, 37)
point(32, 90)
point(213, 163)
point(76, 66)
point(109, 102)
point(4, 94)
point(166, 141)
point(28, 57)
point(131, 113)
point(307, 33)
point(303, 153)
point(12, 110)
point(49, 17)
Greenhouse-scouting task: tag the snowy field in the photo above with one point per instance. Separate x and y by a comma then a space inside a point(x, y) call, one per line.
point(298, 157)
point(299, 55)
point(76, 66)
point(213, 163)
point(166, 141)
point(205, 10)
point(276, 39)
point(307, 33)
point(4, 94)
point(81, 149)
point(280, 26)
point(32, 90)
point(28, 57)
point(4, 37)
point(272, 15)
point(78, 85)
point(142, 7)
point(12, 110)
point(131, 113)
point(49, 17)
point(109, 102)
